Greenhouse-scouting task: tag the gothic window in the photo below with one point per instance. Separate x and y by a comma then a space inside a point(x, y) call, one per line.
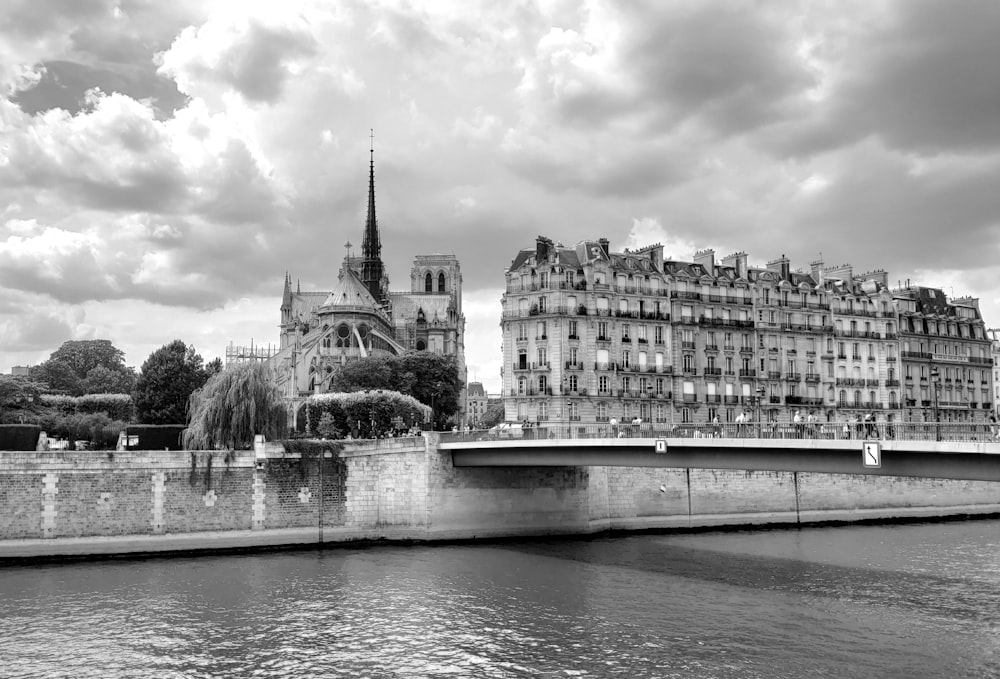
point(441, 282)
point(421, 345)
point(428, 282)
point(343, 335)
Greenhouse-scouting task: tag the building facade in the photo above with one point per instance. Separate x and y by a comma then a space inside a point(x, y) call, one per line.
point(361, 316)
point(590, 334)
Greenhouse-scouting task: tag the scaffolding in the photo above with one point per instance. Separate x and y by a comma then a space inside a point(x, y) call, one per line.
point(249, 354)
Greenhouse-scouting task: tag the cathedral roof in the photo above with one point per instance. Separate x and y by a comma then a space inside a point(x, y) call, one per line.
point(350, 291)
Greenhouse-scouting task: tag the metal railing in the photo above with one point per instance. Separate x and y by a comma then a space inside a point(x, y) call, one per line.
point(831, 431)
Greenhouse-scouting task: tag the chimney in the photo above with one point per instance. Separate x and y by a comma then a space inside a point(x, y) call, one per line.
point(780, 266)
point(707, 259)
point(542, 245)
point(816, 268)
point(738, 261)
point(605, 245)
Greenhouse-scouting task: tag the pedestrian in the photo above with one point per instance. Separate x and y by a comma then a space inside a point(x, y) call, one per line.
point(811, 425)
point(797, 419)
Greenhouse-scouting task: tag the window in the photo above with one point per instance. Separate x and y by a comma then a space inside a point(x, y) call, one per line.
point(658, 334)
point(441, 282)
point(543, 384)
point(540, 327)
point(573, 355)
point(428, 282)
point(626, 358)
point(573, 410)
point(625, 332)
point(603, 384)
point(573, 329)
point(602, 330)
point(543, 357)
point(522, 331)
point(602, 412)
point(573, 383)
point(543, 410)
point(688, 363)
point(522, 386)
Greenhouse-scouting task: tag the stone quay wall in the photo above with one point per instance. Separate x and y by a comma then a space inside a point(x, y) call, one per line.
point(59, 503)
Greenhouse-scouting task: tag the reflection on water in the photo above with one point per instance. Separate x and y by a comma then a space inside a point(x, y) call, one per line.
point(905, 601)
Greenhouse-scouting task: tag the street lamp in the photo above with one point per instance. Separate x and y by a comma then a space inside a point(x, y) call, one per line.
point(935, 378)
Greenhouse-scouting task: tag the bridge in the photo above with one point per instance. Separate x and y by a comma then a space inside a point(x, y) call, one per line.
point(944, 451)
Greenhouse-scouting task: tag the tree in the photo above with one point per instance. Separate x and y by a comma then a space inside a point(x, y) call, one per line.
point(58, 376)
point(213, 367)
point(432, 379)
point(494, 415)
point(233, 406)
point(168, 378)
point(103, 380)
point(68, 369)
point(85, 355)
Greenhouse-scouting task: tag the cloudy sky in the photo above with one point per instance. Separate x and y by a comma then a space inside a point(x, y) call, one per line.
point(162, 164)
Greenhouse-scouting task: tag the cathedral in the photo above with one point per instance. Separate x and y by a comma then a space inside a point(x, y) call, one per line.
point(361, 316)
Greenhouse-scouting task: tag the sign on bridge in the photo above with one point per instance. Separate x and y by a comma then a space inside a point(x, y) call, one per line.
point(871, 454)
point(661, 445)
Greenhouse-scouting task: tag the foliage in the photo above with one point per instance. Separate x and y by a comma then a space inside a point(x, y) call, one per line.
point(85, 367)
point(102, 380)
point(61, 403)
point(18, 391)
point(430, 378)
point(365, 414)
point(82, 356)
point(168, 378)
point(58, 377)
point(493, 416)
point(115, 406)
point(233, 406)
point(311, 447)
point(213, 367)
point(327, 427)
point(97, 428)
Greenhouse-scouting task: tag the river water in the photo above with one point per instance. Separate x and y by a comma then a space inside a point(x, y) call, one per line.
point(918, 600)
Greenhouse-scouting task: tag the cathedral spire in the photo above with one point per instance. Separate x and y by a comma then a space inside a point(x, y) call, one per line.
point(371, 246)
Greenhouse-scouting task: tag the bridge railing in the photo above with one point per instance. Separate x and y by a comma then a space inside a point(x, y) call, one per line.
point(835, 431)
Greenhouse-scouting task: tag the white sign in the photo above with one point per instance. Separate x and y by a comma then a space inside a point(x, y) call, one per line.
point(871, 454)
point(661, 445)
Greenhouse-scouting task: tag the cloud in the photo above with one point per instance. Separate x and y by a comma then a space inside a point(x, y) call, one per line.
point(33, 331)
point(254, 55)
point(921, 78)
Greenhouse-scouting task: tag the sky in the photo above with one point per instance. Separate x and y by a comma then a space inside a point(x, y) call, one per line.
point(163, 164)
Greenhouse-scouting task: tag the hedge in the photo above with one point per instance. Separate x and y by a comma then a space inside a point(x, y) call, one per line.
point(365, 414)
point(155, 436)
point(115, 406)
point(19, 436)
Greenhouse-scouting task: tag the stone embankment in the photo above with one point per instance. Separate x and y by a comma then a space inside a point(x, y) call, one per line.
point(68, 504)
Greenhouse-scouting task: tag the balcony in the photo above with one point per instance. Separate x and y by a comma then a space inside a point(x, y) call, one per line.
point(540, 366)
point(731, 400)
point(687, 345)
point(570, 365)
point(774, 374)
point(748, 373)
point(711, 347)
point(793, 377)
point(713, 371)
point(690, 398)
point(626, 338)
point(713, 398)
point(812, 377)
point(915, 354)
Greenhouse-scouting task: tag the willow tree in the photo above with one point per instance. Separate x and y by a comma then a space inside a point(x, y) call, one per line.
point(233, 406)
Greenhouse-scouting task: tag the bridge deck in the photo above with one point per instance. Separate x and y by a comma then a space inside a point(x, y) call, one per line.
point(973, 460)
